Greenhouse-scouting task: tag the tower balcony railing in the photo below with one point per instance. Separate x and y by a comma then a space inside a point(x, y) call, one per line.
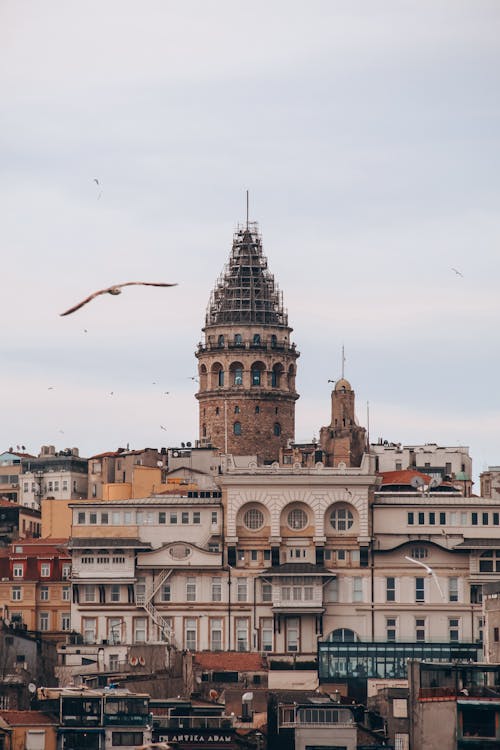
point(214, 346)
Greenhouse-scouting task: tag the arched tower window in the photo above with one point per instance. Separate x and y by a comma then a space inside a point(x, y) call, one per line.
point(203, 377)
point(220, 340)
point(238, 339)
point(237, 428)
point(276, 375)
point(256, 339)
point(257, 373)
point(217, 375)
point(204, 430)
point(291, 378)
point(274, 341)
point(236, 370)
point(277, 429)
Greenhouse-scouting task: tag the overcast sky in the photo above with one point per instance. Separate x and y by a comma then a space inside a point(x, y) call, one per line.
point(368, 136)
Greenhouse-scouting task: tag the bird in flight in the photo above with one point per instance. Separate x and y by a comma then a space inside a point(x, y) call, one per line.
point(457, 272)
point(163, 428)
point(114, 290)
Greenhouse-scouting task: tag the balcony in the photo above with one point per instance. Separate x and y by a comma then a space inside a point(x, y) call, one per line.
point(298, 599)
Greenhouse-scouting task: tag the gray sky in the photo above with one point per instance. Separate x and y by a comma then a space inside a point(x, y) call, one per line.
point(368, 136)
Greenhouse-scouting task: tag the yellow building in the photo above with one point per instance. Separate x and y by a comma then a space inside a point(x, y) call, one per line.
point(27, 730)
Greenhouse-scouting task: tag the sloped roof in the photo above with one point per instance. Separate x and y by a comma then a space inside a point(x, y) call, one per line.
point(403, 476)
point(27, 718)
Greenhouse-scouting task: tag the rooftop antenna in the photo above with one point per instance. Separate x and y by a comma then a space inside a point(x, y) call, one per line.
point(247, 209)
point(343, 361)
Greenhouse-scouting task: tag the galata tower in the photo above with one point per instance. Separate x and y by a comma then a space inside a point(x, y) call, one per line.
point(246, 361)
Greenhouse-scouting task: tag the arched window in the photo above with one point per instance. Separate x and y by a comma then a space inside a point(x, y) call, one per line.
point(221, 340)
point(217, 375)
point(277, 429)
point(236, 409)
point(341, 519)
point(238, 340)
point(253, 519)
point(274, 341)
point(342, 635)
point(297, 519)
point(276, 374)
point(204, 431)
point(203, 377)
point(236, 373)
point(221, 378)
point(256, 376)
point(237, 428)
point(217, 410)
point(257, 409)
point(256, 339)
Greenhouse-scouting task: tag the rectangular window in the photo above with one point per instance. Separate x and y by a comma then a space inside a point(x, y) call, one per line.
point(44, 593)
point(420, 589)
point(390, 589)
point(453, 589)
point(496, 634)
point(126, 739)
point(215, 517)
point(496, 519)
point(267, 555)
point(463, 518)
point(432, 519)
point(65, 621)
point(241, 590)
point(115, 592)
point(453, 519)
point(340, 554)
point(266, 633)
point(390, 628)
point(442, 519)
point(485, 519)
point(127, 518)
point(43, 621)
point(105, 519)
point(65, 593)
point(267, 592)
point(66, 571)
point(190, 634)
point(93, 518)
point(166, 593)
point(16, 593)
point(191, 589)
point(115, 625)
point(473, 518)
point(292, 634)
point(357, 589)
point(173, 518)
point(45, 570)
point(454, 629)
point(139, 630)
point(162, 517)
point(184, 517)
point(216, 590)
point(421, 519)
point(117, 518)
point(254, 555)
point(216, 635)
point(420, 629)
point(18, 570)
point(89, 629)
point(89, 593)
point(332, 591)
point(241, 626)
point(196, 516)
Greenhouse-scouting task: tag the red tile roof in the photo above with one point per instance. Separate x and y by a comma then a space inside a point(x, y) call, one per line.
point(27, 718)
point(403, 477)
point(229, 661)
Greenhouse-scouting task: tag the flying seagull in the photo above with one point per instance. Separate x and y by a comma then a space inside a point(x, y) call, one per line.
point(430, 572)
point(115, 289)
point(457, 272)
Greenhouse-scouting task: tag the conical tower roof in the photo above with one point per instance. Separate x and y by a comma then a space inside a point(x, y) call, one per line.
point(246, 291)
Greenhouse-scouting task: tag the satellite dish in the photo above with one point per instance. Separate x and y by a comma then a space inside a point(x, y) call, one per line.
point(416, 481)
point(32, 687)
point(247, 697)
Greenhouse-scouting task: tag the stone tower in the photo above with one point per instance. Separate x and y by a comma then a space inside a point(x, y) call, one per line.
point(343, 441)
point(246, 363)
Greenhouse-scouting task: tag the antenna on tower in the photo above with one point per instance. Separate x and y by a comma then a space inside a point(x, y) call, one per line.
point(247, 209)
point(343, 361)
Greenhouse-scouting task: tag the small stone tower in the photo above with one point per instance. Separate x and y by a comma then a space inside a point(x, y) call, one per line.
point(246, 363)
point(343, 441)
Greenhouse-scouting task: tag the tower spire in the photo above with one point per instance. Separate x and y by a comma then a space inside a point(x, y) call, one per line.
point(247, 209)
point(343, 361)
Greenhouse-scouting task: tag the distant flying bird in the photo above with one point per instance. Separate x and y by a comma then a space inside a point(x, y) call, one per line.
point(114, 290)
point(457, 272)
point(332, 381)
point(166, 393)
point(50, 388)
point(430, 572)
point(163, 428)
point(96, 181)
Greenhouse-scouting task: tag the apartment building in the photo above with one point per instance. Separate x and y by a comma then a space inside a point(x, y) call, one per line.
point(60, 475)
point(35, 586)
